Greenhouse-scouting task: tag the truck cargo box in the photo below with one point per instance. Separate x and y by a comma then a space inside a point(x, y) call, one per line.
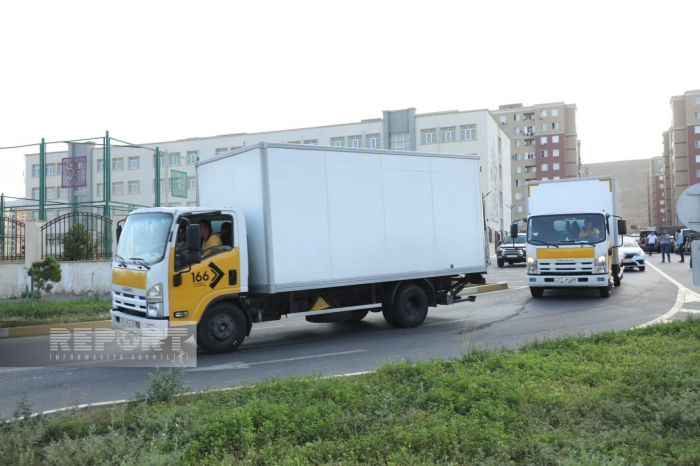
point(330, 216)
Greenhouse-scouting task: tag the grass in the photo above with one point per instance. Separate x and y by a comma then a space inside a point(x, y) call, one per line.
point(20, 313)
point(630, 397)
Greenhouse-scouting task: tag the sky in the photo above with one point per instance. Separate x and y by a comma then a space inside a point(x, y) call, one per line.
point(151, 70)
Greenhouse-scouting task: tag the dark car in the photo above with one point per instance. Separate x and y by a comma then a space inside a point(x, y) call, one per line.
point(511, 251)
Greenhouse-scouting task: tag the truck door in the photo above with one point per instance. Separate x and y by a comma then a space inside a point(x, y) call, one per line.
point(192, 288)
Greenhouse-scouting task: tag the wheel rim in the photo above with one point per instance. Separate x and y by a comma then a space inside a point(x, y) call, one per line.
point(221, 327)
point(412, 307)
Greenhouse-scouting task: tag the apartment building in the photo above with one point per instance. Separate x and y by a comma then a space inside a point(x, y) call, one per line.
point(133, 169)
point(544, 144)
point(632, 178)
point(657, 189)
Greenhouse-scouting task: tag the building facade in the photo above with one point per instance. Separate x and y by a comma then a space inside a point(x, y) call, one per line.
point(632, 177)
point(656, 192)
point(544, 145)
point(133, 169)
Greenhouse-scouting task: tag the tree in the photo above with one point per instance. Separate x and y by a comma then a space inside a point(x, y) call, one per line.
point(43, 273)
point(78, 244)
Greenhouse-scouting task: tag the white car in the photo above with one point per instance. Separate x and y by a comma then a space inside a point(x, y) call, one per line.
point(632, 254)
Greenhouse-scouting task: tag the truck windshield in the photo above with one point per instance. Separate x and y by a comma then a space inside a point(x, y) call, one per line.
point(144, 238)
point(566, 229)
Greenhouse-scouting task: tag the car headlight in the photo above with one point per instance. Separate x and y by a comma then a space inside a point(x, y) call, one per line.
point(155, 294)
point(500, 248)
point(602, 259)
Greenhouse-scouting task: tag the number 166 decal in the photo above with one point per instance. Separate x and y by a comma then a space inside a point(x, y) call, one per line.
point(200, 279)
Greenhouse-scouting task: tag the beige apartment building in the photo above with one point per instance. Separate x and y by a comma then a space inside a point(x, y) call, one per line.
point(544, 145)
point(657, 192)
point(681, 156)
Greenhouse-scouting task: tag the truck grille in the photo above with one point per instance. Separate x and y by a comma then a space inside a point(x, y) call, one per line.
point(566, 268)
point(129, 303)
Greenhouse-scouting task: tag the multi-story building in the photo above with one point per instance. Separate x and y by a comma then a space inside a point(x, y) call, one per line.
point(681, 150)
point(133, 169)
point(544, 144)
point(632, 177)
point(657, 187)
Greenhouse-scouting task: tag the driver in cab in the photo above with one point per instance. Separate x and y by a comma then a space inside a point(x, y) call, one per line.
point(588, 231)
point(208, 239)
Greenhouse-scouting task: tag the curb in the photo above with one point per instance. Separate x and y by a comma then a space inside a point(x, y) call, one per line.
point(35, 330)
point(484, 288)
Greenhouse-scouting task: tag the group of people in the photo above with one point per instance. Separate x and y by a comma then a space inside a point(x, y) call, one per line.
point(666, 243)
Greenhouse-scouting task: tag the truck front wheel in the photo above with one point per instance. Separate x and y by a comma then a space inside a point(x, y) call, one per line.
point(605, 291)
point(410, 307)
point(536, 292)
point(222, 328)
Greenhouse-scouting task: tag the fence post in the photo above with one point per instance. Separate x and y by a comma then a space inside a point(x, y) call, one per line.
point(42, 180)
point(157, 180)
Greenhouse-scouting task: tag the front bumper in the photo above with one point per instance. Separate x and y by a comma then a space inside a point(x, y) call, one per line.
point(567, 281)
point(157, 328)
point(637, 261)
point(511, 256)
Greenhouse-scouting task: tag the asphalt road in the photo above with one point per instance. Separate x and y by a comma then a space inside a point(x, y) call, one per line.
point(293, 346)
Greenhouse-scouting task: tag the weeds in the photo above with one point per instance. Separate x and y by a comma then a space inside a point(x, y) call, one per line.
point(19, 313)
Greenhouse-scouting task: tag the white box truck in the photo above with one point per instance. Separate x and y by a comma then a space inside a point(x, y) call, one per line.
point(328, 233)
point(574, 232)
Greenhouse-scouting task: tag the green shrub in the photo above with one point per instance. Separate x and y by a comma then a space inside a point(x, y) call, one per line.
point(78, 243)
point(44, 274)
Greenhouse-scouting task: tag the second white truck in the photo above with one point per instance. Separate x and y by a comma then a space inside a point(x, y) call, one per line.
point(574, 232)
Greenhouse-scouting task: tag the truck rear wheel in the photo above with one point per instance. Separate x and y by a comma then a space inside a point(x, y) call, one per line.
point(410, 307)
point(222, 328)
point(536, 292)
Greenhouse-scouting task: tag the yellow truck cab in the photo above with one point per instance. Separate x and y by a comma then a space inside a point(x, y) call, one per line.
point(326, 233)
point(574, 232)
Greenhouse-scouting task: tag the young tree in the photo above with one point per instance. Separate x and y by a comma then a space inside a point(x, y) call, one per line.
point(78, 243)
point(44, 274)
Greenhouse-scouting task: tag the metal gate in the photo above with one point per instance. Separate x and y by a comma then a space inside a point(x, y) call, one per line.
point(11, 239)
point(77, 236)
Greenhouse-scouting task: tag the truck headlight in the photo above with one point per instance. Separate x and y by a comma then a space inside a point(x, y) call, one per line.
point(155, 294)
point(154, 310)
point(602, 259)
point(532, 266)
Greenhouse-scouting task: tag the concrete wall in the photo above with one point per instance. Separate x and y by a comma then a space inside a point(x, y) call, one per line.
point(77, 278)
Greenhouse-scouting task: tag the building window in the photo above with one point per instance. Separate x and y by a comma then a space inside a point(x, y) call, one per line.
point(516, 117)
point(118, 164)
point(117, 188)
point(63, 193)
point(517, 157)
point(100, 190)
point(311, 142)
point(556, 178)
point(544, 153)
point(35, 193)
point(100, 165)
point(219, 151)
point(529, 155)
point(545, 178)
point(503, 119)
point(697, 115)
point(59, 169)
point(50, 169)
point(555, 166)
point(516, 143)
point(468, 132)
point(661, 186)
point(519, 209)
point(543, 113)
point(192, 157)
point(555, 139)
point(35, 170)
point(518, 170)
point(544, 127)
point(661, 177)
point(555, 125)
point(697, 144)
point(191, 183)
point(134, 187)
point(338, 142)
point(448, 134)
point(518, 196)
point(660, 162)
point(662, 210)
point(134, 163)
point(529, 130)
point(372, 141)
point(696, 100)
point(555, 112)
point(697, 130)
point(428, 136)
point(50, 193)
point(545, 167)
point(555, 153)
point(518, 183)
point(174, 160)
point(543, 141)
point(399, 141)
point(81, 189)
point(354, 141)
point(662, 202)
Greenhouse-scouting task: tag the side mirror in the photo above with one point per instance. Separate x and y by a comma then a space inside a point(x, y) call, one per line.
point(513, 230)
point(119, 232)
point(193, 241)
point(621, 226)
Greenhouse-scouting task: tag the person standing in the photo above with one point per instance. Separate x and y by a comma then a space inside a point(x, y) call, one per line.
point(665, 241)
point(651, 242)
point(680, 244)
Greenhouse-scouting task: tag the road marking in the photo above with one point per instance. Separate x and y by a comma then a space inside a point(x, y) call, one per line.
point(684, 295)
point(243, 365)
